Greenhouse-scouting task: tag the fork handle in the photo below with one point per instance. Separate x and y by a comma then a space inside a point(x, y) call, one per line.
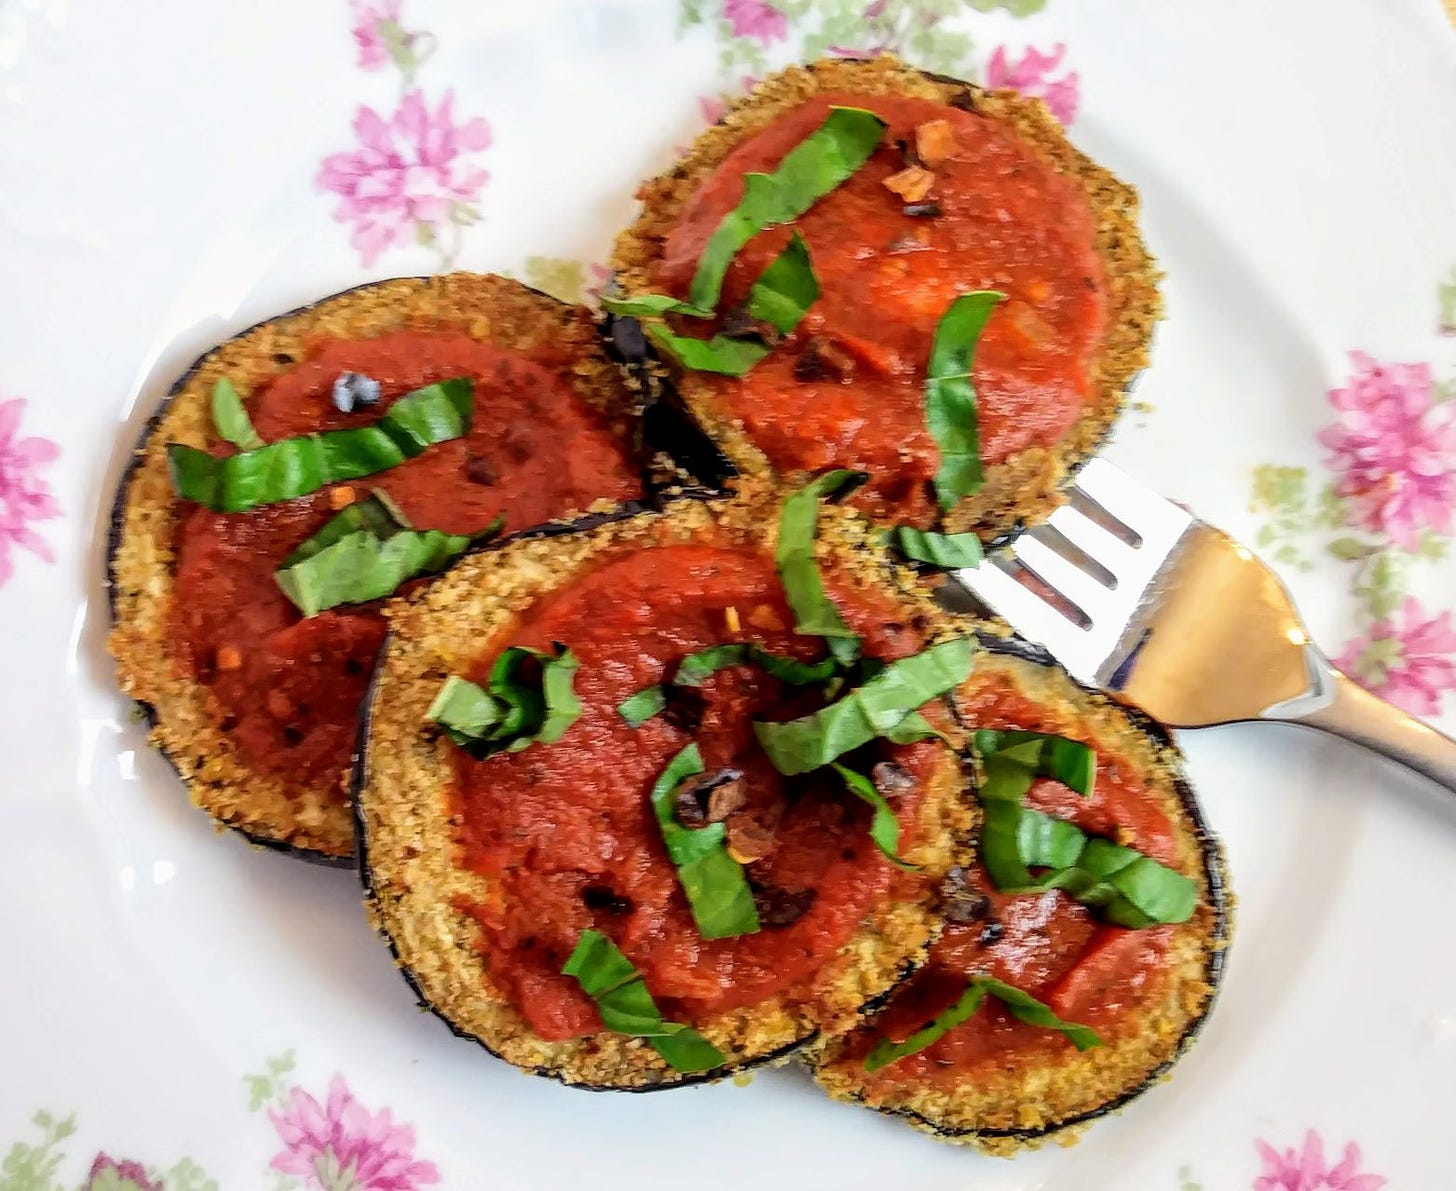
point(1349, 710)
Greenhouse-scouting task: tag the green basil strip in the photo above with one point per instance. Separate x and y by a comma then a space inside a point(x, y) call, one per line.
point(727, 357)
point(1019, 1004)
point(914, 727)
point(885, 1052)
point(231, 418)
point(697, 668)
point(294, 467)
point(875, 709)
point(1027, 1008)
point(782, 294)
point(884, 827)
point(716, 889)
point(950, 397)
point(639, 708)
point(823, 161)
point(952, 551)
point(651, 306)
point(1014, 759)
point(1126, 886)
point(363, 554)
point(799, 571)
point(517, 709)
point(626, 1007)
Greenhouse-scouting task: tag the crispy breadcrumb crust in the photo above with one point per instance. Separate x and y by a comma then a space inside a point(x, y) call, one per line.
point(311, 819)
point(1019, 1107)
point(1027, 487)
point(407, 840)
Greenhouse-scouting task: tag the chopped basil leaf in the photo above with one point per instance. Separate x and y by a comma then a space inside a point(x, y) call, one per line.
point(231, 418)
point(885, 1052)
point(914, 727)
point(716, 889)
point(884, 827)
point(1027, 1008)
point(1014, 759)
point(651, 306)
point(295, 467)
point(626, 1007)
point(517, 709)
point(786, 289)
point(952, 551)
point(824, 160)
point(1019, 1004)
point(950, 396)
point(1128, 888)
point(875, 709)
point(364, 553)
point(798, 569)
point(697, 668)
point(728, 357)
point(782, 294)
point(639, 708)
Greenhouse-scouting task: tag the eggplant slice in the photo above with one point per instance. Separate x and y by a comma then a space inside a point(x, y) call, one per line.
point(1026, 488)
point(1022, 1106)
point(311, 819)
point(411, 823)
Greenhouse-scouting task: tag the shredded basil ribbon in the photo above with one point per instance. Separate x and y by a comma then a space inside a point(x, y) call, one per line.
point(878, 708)
point(884, 827)
point(231, 418)
point(365, 553)
point(717, 891)
point(297, 466)
point(626, 1007)
point(798, 570)
point(1020, 1004)
point(516, 710)
point(952, 551)
point(950, 397)
point(780, 297)
point(697, 668)
point(1126, 886)
point(823, 161)
point(1014, 759)
point(639, 708)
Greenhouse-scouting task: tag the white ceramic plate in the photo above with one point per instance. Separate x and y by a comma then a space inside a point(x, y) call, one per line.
point(178, 1010)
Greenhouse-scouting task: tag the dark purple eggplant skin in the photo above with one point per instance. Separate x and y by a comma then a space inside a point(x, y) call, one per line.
point(1212, 858)
point(682, 440)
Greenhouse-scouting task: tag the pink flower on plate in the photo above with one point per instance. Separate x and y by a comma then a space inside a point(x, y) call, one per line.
point(24, 496)
point(410, 177)
point(107, 1174)
point(1409, 659)
point(1394, 449)
point(1305, 1169)
point(756, 18)
point(374, 22)
point(1033, 74)
point(342, 1146)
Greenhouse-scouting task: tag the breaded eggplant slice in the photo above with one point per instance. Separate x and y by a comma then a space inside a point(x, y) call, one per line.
point(254, 706)
point(1003, 1086)
point(482, 873)
point(1015, 208)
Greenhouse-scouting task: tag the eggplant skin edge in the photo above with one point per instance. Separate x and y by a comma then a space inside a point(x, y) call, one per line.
point(657, 492)
point(1027, 489)
point(1005, 1141)
point(386, 908)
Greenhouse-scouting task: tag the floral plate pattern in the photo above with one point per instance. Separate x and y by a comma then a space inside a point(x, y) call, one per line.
point(368, 138)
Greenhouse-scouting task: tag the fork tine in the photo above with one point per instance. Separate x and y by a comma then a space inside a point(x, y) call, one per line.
point(1064, 577)
point(1032, 617)
point(1151, 517)
point(1092, 538)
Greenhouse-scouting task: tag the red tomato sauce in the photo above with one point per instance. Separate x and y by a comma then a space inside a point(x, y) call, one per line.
point(562, 827)
point(1046, 944)
point(1008, 221)
point(289, 688)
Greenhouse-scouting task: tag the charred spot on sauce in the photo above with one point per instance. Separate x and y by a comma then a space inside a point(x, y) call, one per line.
point(602, 899)
point(778, 908)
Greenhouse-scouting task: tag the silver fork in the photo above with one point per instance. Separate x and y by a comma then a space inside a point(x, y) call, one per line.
point(1135, 595)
